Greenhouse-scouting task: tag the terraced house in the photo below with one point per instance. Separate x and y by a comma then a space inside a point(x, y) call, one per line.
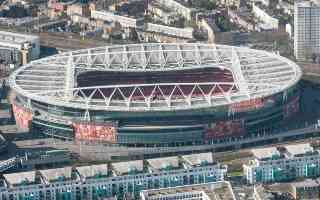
point(282, 164)
point(107, 180)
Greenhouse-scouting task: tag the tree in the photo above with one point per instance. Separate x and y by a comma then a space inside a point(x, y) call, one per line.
point(205, 4)
point(223, 23)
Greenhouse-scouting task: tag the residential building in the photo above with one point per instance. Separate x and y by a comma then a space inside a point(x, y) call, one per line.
point(306, 29)
point(16, 48)
point(307, 189)
point(267, 22)
point(107, 180)
point(9, 55)
point(259, 193)
point(162, 14)
point(228, 3)
point(177, 8)
point(169, 31)
point(78, 9)
point(126, 22)
point(205, 191)
point(242, 19)
point(282, 164)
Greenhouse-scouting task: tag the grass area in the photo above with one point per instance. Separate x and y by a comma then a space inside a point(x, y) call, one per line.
point(81, 162)
point(235, 173)
point(234, 160)
point(226, 157)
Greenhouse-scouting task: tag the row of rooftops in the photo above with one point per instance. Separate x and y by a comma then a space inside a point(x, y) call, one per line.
point(307, 183)
point(300, 189)
point(287, 151)
point(105, 170)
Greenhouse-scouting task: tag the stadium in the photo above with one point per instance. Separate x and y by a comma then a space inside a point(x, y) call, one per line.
point(155, 94)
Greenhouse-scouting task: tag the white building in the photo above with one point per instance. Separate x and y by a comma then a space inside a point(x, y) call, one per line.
point(306, 29)
point(177, 8)
point(107, 180)
point(126, 22)
point(28, 44)
point(268, 22)
point(282, 164)
point(241, 19)
point(206, 191)
point(186, 33)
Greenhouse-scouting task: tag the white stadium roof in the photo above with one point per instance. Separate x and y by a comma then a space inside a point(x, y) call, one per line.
point(256, 74)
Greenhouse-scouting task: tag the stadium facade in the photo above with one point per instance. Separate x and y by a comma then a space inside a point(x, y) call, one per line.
point(156, 94)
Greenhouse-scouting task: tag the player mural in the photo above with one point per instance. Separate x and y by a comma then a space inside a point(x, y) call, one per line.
point(22, 115)
point(95, 132)
point(246, 106)
point(251, 105)
point(224, 128)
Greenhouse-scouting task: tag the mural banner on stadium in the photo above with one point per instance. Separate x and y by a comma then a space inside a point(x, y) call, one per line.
point(246, 106)
point(95, 132)
point(22, 115)
point(225, 128)
point(252, 104)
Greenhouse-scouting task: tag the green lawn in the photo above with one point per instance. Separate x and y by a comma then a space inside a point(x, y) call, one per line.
point(235, 173)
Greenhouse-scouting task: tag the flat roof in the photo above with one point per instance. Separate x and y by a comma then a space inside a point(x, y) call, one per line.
point(215, 191)
point(125, 167)
point(56, 174)
point(93, 170)
point(298, 149)
point(262, 193)
point(20, 178)
point(198, 159)
point(263, 153)
point(163, 163)
point(305, 183)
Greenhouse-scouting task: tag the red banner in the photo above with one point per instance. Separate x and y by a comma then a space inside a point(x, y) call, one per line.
point(22, 115)
point(58, 7)
point(224, 128)
point(245, 106)
point(95, 132)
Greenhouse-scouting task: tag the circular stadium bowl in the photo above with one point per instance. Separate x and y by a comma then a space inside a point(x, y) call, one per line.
point(156, 94)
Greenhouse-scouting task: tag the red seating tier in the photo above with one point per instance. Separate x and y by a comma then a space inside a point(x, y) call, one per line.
point(133, 78)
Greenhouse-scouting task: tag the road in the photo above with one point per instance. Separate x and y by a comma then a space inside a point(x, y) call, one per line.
point(102, 152)
point(68, 41)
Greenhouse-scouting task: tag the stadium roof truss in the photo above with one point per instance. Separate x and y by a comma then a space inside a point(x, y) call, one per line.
point(255, 74)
